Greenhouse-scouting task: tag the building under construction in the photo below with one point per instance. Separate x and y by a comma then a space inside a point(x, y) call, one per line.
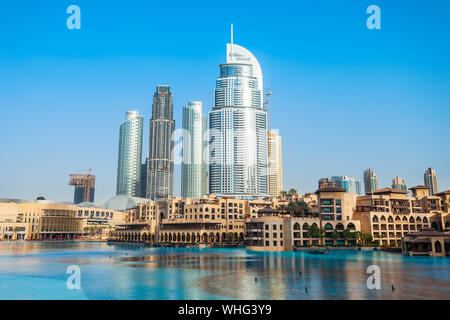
point(84, 187)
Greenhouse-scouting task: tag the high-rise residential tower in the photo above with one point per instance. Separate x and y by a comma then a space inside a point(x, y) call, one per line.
point(370, 181)
point(399, 183)
point(160, 154)
point(130, 155)
point(430, 180)
point(352, 185)
point(193, 169)
point(275, 167)
point(143, 188)
point(238, 129)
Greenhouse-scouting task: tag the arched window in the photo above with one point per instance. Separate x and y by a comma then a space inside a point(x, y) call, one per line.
point(351, 226)
point(296, 226)
point(375, 219)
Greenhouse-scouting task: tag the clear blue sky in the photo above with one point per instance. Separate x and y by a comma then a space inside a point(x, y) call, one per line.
point(344, 97)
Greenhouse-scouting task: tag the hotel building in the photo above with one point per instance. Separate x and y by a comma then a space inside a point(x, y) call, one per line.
point(389, 214)
point(238, 129)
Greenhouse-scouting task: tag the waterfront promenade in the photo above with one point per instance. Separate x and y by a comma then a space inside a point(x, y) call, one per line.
point(37, 270)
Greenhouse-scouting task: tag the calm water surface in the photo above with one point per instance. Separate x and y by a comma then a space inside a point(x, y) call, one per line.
point(37, 270)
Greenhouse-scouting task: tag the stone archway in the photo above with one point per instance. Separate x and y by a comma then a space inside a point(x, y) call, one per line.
point(437, 246)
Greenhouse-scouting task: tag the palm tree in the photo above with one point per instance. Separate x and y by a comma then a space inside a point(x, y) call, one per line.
point(283, 193)
point(347, 234)
point(335, 235)
point(322, 234)
point(292, 191)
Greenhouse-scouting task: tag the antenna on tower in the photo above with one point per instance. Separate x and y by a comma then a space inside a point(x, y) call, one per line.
point(231, 39)
point(231, 33)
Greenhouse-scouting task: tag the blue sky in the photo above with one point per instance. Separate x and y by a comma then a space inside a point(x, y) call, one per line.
point(344, 97)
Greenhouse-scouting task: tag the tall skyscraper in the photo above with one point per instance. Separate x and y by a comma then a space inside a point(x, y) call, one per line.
point(352, 185)
point(143, 188)
point(160, 154)
point(370, 181)
point(130, 155)
point(193, 169)
point(399, 183)
point(430, 180)
point(238, 123)
point(275, 164)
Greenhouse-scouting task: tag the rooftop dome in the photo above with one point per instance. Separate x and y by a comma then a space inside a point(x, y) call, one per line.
point(123, 202)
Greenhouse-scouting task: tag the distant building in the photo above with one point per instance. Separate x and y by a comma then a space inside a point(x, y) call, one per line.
point(430, 180)
point(275, 164)
point(399, 183)
point(326, 182)
point(84, 187)
point(193, 168)
point(160, 158)
point(352, 185)
point(143, 188)
point(130, 155)
point(370, 181)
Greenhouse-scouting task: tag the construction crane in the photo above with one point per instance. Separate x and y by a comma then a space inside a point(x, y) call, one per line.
point(266, 104)
point(85, 181)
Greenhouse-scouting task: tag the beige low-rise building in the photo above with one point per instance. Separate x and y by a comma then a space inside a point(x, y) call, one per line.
point(47, 220)
point(389, 214)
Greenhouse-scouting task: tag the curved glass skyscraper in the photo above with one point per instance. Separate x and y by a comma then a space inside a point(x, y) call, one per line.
point(238, 129)
point(193, 169)
point(130, 153)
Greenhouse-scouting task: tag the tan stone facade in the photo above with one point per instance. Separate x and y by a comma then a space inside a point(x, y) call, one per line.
point(389, 214)
point(42, 220)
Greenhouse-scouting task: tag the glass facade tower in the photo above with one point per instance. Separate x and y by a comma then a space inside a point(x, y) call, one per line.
point(130, 155)
point(160, 155)
point(399, 184)
point(193, 169)
point(238, 129)
point(370, 181)
point(430, 180)
point(352, 185)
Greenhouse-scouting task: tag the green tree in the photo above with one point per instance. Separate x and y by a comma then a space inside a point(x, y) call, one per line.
point(231, 236)
point(335, 235)
point(314, 231)
point(347, 235)
point(282, 208)
point(292, 191)
point(292, 208)
point(283, 193)
point(303, 207)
